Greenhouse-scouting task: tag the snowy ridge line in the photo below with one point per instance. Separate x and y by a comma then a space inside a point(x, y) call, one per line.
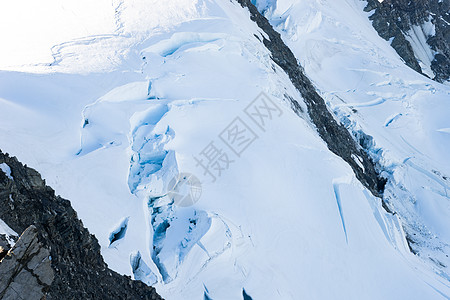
point(169, 46)
point(335, 135)
point(56, 49)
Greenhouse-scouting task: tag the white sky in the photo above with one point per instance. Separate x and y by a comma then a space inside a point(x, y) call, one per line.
point(29, 28)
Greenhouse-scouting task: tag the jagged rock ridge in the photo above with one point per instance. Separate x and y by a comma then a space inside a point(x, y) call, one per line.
point(394, 19)
point(79, 269)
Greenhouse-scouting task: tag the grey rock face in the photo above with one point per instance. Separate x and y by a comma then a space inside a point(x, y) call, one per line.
point(392, 19)
point(78, 267)
point(26, 272)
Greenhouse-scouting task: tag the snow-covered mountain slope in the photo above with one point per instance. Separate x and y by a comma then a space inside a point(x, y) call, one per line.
point(400, 116)
point(118, 115)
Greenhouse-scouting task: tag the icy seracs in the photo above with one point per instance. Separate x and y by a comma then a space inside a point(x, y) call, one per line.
point(288, 219)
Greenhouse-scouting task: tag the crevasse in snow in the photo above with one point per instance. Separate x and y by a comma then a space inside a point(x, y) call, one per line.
point(117, 116)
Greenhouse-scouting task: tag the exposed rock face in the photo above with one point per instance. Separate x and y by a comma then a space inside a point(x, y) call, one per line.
point(79, 269)
point(393, 19)
point(338, 139)
point(26, 272)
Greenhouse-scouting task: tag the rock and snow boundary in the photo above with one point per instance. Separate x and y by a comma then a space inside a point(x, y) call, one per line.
point(287, 219)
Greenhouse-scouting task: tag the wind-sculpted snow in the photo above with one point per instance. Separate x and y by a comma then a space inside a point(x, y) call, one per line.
point(286, 218)
point(183, 40)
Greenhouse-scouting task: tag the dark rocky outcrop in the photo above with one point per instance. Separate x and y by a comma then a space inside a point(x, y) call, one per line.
point(336, 136)
point(79, 269)
point(392, 19)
